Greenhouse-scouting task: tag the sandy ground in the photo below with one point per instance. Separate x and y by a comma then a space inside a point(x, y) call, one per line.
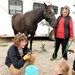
point(43, 62)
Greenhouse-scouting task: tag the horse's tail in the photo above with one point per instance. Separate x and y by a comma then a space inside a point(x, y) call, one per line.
point(13, 17)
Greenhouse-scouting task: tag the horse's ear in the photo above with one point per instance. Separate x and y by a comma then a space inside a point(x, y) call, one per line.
point(51, 5)
point(45, 5)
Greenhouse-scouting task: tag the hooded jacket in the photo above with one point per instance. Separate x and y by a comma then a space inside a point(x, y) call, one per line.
point(13, 57)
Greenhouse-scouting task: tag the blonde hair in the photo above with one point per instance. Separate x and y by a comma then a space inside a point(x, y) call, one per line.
point(18, 38)
point(64, 66)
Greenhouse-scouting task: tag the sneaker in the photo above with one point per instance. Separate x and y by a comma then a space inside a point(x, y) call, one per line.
point(52, 59)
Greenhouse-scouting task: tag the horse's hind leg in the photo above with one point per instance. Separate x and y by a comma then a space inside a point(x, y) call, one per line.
point(15, 32)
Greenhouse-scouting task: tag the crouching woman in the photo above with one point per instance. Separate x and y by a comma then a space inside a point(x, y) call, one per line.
point(17, 54)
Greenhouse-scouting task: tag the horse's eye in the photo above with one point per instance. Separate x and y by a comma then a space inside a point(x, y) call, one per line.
point(49, 12)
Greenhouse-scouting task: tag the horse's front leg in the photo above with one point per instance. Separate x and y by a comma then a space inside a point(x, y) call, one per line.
point(31, 41)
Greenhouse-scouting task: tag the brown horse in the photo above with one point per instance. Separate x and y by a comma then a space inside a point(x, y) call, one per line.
point(27, 23)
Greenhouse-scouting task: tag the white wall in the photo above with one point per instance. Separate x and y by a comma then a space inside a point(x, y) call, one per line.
point(5, 19)
point(27, 5)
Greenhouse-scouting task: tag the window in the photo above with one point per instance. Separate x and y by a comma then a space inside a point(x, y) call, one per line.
point(39, 5)
point(55, 9)
point(15, 6)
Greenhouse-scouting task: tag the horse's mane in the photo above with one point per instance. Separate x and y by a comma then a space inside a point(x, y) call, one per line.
point(41, 8)
point(35, 10)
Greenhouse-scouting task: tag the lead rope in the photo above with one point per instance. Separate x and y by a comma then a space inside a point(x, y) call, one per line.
point(66, 49)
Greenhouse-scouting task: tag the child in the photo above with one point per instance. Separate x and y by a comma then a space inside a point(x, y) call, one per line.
point(62, 67)
point(17, 54)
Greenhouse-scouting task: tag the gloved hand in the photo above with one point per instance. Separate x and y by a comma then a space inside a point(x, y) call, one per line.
point(27, 56)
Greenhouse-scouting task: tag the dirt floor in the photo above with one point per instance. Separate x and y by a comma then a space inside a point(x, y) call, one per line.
point(43, 50)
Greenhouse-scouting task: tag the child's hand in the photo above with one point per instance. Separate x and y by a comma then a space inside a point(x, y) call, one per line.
point(27, 56)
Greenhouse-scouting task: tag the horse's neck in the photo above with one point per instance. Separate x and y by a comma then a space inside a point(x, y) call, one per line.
point(39, 14)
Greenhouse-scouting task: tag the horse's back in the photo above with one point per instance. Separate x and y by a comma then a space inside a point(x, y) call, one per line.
point(31, 17)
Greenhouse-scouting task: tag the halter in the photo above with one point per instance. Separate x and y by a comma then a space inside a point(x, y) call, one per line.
point(48, 18)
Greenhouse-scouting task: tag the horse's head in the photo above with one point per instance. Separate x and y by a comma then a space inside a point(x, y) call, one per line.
point(49, 15)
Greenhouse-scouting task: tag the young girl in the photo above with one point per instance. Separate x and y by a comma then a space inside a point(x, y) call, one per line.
point(17, 54)
point(62, 67)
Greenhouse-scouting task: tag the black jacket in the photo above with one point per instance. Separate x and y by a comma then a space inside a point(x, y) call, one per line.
point(13, 57)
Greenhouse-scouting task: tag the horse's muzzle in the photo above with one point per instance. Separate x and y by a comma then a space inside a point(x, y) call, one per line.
point(53, 24)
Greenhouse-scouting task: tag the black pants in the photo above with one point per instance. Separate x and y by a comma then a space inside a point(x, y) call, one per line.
point(74, 65)
point(64, 43)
